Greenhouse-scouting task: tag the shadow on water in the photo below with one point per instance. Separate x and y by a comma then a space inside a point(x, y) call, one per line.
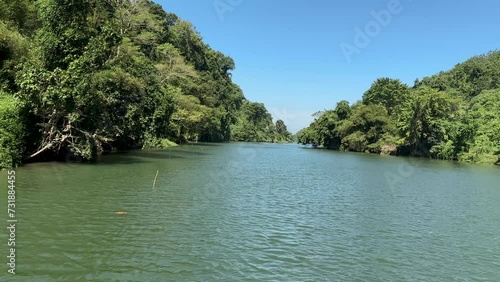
point(410, 160)
point(205, 144)
point(189, 152)
point(159, 155)
point(133, 157)
point(141, 156)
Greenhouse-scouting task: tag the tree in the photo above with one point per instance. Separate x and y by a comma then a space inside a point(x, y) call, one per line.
point(11, 131)
point(343, 110)
point(434, 114)
point(387, 92)
point(54, 84)
point(280, 126)
point(365, 128)
point(282, 133)
point(482, 141)
point(470, 78)
point(97, 75)
point(451, 115)
point(254, 123)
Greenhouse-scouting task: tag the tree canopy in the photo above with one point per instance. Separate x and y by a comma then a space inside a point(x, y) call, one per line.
point(80, 77)
point(453, 115)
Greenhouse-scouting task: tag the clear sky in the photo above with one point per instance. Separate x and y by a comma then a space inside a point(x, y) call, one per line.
point(293, 55)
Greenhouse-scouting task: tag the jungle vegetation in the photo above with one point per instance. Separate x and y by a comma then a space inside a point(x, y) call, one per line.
point(82, 77)
point(453, 115)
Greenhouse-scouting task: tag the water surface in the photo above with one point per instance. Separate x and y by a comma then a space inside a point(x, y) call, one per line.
point(253, 212)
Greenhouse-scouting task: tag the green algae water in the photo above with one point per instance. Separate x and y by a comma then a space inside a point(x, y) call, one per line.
point(255, 212)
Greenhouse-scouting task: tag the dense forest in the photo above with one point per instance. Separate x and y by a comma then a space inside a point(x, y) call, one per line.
point(82, 77)
point(454, 115)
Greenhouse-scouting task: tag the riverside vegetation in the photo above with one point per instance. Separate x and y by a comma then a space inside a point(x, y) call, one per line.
point(454, 115)
point(80, 77)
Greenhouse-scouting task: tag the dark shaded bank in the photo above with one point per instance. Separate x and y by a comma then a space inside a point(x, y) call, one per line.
point(399, 152)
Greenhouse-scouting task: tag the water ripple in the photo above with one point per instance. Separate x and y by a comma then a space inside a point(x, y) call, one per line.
point(251, 212)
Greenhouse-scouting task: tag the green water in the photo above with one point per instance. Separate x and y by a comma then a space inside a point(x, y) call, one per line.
point(255, 212)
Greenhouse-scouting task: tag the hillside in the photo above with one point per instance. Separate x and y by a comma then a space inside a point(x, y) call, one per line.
point(452, 115)
point(78, 78)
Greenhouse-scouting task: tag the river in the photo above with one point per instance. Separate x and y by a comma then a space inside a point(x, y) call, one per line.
point(255, 212)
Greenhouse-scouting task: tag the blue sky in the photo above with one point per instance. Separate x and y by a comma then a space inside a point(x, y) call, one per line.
point(289, 54)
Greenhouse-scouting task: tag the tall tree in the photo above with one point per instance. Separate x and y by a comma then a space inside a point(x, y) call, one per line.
point(387, 92)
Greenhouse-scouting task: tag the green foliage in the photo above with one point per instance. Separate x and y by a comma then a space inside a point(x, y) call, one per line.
point(470, 78)
point(434, 114)
point(11, 131)
point(19, 14)
point(355, 141)
point(189, 118)
point(282, 135)
point(444, 150)
point(99, 75)
point(95, 75)
point(13, 46)
point(57, 83)
point(324, 131)
point(307, 136)
point(483, 122)
point(452, 115)
point(280, 126)
point(387, 92)
point(343, 110)
point(365, 127)
point(152, 142)
point(253, 123)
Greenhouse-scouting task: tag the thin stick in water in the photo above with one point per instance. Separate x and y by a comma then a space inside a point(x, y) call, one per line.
point(154, 182)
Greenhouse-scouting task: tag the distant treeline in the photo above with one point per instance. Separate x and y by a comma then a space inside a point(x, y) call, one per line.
point(80, 77)
point(454, 115)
